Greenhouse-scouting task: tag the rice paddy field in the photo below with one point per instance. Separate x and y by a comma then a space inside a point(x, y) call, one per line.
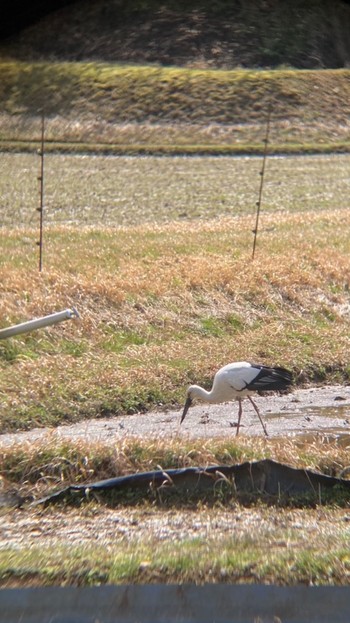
point(156, 254)
point(132, 191)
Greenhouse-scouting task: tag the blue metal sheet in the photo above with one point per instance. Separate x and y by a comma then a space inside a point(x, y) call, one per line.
point(216, 603)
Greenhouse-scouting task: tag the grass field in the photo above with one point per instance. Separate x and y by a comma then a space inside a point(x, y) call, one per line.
point(156, 256)
point(163, 293)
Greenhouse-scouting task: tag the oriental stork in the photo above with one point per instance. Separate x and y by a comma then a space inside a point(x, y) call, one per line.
point(239, 380)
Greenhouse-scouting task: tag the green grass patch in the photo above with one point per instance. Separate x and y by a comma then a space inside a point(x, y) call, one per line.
point(117, 341)
point(196, 561)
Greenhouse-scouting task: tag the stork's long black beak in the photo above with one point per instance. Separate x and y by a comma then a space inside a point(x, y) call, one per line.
point(186, 408)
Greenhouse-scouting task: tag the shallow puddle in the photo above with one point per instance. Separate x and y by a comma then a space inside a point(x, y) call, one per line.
point(336, 411)
point(314, 420)
point(339, 411)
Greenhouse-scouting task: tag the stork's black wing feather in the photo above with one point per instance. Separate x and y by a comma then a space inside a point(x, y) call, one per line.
point(270, 379)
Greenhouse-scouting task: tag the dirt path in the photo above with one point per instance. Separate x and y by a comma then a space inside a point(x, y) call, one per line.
point(114, 527)
point(310, 411)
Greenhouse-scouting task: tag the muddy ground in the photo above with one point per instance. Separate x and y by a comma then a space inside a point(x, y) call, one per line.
point(308, 412)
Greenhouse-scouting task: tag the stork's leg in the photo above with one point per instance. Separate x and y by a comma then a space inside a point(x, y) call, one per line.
point(259, 416)
point(239, 415)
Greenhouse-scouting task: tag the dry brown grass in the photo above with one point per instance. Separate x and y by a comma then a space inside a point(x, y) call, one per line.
point(36, 467)
point(163, 305)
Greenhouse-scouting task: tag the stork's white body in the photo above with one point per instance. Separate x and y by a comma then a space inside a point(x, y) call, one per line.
point(239, 380)
point(230, 383)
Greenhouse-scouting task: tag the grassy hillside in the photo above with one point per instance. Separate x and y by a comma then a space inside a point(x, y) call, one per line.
point(145, 94)
point(120, 108)
point(183, 77)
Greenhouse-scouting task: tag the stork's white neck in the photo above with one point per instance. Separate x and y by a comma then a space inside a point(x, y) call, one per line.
point(218, 393)
point(199, 392)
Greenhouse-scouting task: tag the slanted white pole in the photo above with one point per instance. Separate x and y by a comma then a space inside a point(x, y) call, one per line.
point(38, 323)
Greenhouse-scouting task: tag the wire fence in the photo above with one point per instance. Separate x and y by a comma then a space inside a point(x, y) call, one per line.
point(40, 188)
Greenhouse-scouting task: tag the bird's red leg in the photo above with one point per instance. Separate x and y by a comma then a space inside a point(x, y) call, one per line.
point(239, 415)
point(259, 416)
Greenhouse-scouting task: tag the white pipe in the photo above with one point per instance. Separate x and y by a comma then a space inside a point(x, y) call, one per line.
point(45, 321)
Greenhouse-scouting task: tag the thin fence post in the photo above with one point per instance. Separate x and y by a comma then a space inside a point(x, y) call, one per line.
point(262, 173)
point(41, 193)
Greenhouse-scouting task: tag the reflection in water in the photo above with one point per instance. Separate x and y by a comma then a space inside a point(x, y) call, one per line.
point(317, 431)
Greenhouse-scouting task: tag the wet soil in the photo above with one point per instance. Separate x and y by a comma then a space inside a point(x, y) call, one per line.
point(303, 412)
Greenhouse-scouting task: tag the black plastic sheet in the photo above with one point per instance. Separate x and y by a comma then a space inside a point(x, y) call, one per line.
point(265, 477)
